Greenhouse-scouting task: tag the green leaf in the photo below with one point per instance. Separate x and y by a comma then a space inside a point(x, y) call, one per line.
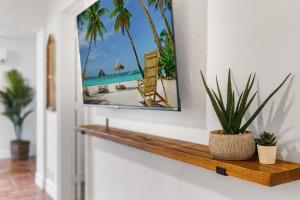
point(221, 106)
point(26, 114)
point(250, 102)
point(219, 113)
point(266, 139)
point(238, 104)
point(15, 97)
point(242, 107)
point(220, 95)
point(231, 114)
point(229, 94)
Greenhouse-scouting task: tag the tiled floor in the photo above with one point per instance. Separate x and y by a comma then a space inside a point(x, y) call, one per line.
point(17, 181)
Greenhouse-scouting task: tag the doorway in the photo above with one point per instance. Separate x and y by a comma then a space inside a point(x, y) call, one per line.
point(21, 50)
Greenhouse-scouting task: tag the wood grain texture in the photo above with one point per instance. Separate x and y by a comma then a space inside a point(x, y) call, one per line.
point(199, 155)
point(51, 90)
point(17, 181)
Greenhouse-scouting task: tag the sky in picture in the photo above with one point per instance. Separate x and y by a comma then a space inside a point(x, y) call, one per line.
point(116, 47)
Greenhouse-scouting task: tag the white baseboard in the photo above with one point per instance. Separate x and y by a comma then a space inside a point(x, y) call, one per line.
point(5, 154)
point(51, 189)
point(47, 184)
point(40, 181)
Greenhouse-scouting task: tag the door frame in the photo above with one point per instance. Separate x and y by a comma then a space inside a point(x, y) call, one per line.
point(70, 174)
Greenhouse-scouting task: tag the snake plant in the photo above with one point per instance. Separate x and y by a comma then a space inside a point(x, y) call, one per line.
point(232, 113)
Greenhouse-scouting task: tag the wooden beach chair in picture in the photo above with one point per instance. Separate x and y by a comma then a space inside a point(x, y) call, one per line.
point(148, 86)
point(103, 89)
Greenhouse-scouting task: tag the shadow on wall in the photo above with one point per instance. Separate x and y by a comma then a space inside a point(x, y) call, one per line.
point(199, 182)
point(275, 122)
point(291, 153)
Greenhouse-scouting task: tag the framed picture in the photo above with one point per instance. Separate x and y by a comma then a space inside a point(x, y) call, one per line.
point(127, 54)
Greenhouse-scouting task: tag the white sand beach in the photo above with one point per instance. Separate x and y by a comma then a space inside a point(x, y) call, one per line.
point(131, 96)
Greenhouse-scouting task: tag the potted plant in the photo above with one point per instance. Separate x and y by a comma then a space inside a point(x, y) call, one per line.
point(234, 141)
point(15, 98)
point(266, 147)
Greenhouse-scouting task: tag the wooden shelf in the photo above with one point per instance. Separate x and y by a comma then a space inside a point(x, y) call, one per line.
point(199, 155)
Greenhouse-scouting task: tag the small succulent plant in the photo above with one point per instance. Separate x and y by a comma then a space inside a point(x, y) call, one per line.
point(266, 139)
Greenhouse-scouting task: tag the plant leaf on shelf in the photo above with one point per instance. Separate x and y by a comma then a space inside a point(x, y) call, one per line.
point(266, 139)
point(231, 114)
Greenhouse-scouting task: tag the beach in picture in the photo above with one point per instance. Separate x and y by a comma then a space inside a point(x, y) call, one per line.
point(127, 54)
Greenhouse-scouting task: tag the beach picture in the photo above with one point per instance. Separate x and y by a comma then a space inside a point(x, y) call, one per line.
point(127, 54)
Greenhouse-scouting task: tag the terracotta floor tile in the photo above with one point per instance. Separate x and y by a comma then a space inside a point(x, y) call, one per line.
point(17, 181)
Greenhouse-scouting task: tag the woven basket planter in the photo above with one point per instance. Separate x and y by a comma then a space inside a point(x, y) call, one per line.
point(231, 147)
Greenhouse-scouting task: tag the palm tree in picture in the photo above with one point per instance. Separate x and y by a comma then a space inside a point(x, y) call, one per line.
point(160, 4)
point(166, 41)
point(152, 26)
point(95, 27)
point(119, 68)
point(167, 57)
point(123, 15)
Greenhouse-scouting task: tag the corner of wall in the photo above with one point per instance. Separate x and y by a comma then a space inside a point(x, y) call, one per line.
point(51, 189)
point(39, 180)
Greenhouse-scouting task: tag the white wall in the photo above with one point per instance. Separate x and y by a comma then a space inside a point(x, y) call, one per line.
point(21, 56)
point(260, 36)
point(249, 36)
point(22, 15)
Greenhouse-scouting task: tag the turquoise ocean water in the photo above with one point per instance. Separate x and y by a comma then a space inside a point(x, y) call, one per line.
point(111, 78)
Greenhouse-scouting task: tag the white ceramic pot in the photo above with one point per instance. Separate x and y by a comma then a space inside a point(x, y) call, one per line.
point(267, 154)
